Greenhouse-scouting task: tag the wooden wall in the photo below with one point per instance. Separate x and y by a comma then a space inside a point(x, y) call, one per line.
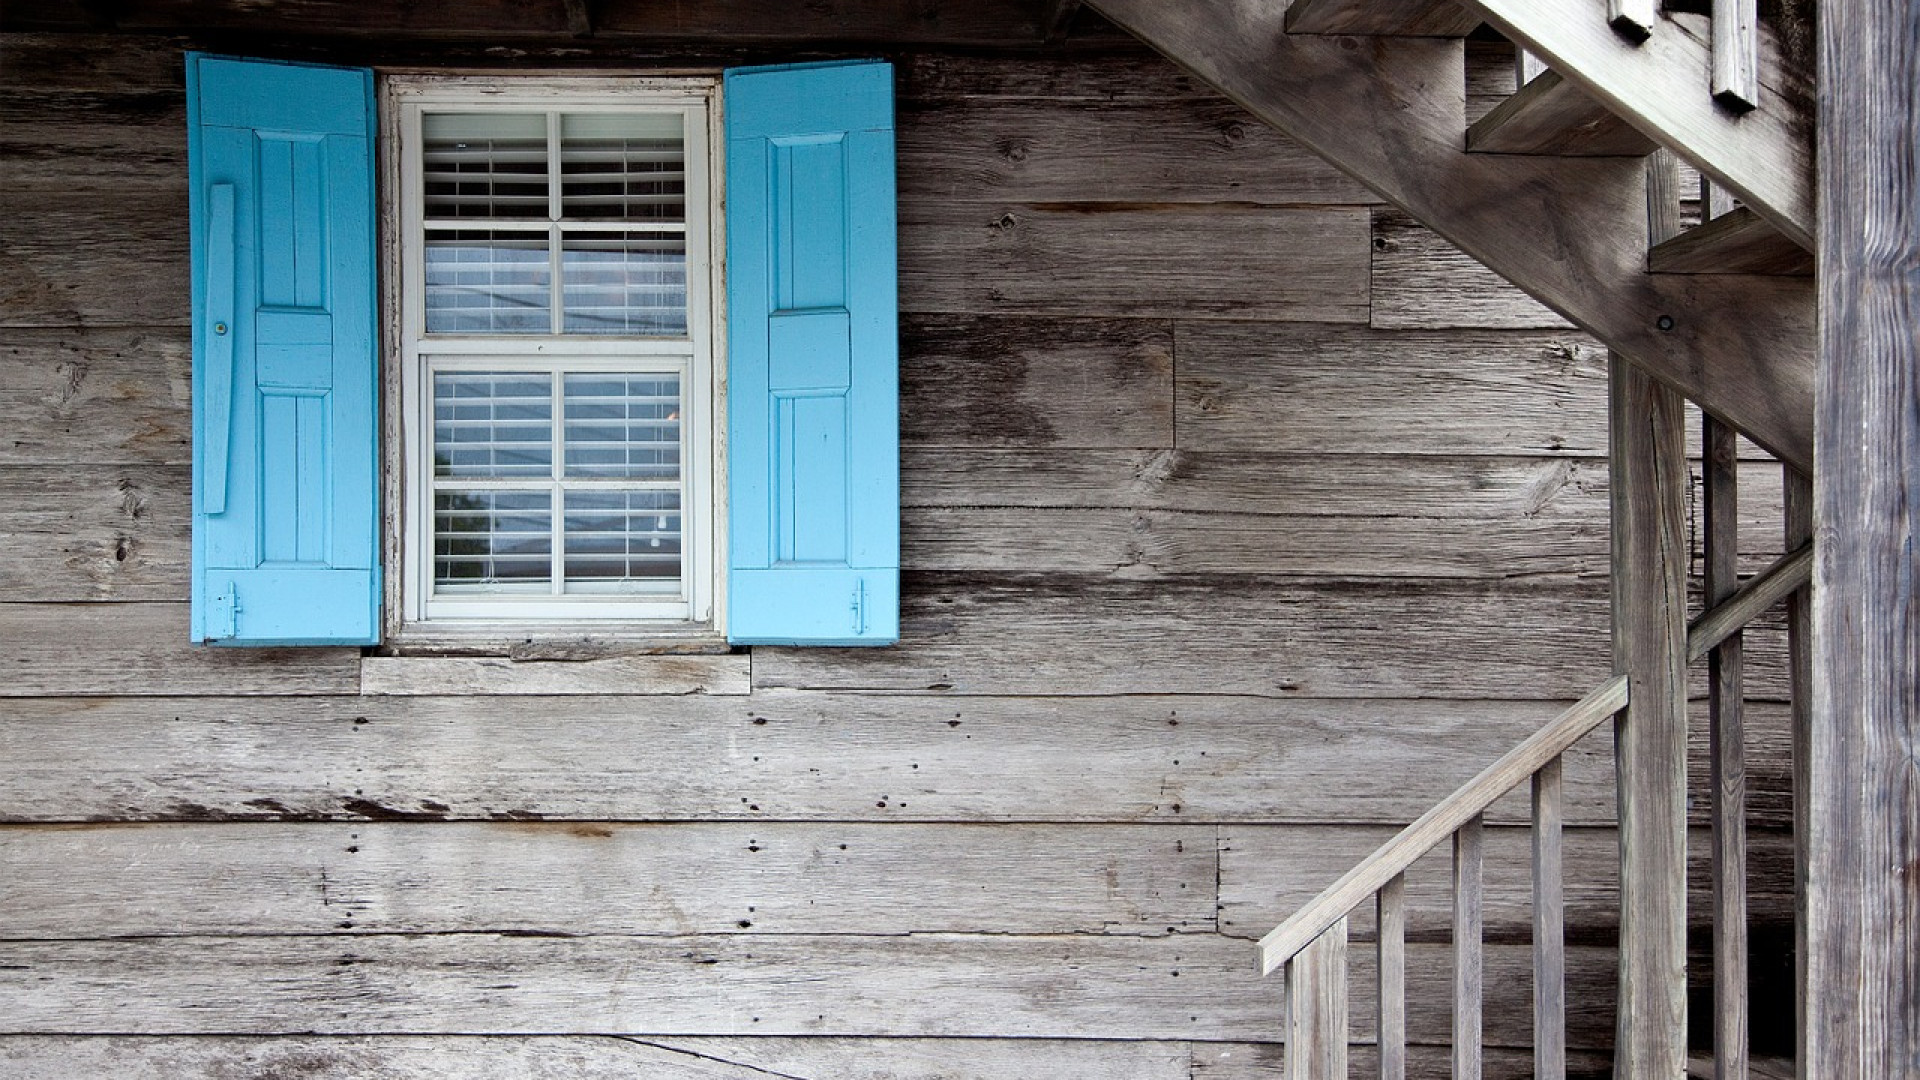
point(1243, 520)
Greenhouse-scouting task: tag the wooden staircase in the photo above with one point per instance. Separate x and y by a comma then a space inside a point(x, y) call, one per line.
point(1570, 190)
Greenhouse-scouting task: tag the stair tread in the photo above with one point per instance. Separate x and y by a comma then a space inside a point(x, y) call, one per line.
point(1739, 242)
point(1551, 116)
point(1384, 18)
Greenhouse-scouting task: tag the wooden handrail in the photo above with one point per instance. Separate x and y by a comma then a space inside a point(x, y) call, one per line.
point(1472, 799)
point(1772, 585)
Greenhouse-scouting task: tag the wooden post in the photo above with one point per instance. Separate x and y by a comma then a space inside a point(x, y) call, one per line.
point(1649, 481)
point(1317, 1008)
point(1469, 891)
point(1549, 927)
point(1798, 495)
point(1863, 903)
point(1727, 757)
point(1391, 905)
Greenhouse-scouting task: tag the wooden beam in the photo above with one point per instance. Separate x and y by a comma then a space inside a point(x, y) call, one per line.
point(1648, 489)
point(1550, 115)
point(1395, 18)
point(1568, 231)
point(1738, 242)
point(1863, 917)
point(1659, 86)
point(1726, 756)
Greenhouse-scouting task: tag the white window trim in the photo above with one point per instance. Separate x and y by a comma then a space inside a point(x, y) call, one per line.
point(413, 616)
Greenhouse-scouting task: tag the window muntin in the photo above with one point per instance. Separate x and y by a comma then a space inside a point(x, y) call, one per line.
point(557, 378)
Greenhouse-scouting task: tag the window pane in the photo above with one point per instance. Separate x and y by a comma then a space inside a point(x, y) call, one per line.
point(622, 541)
point(624, 283)
point(484, 165)
point(623, 167)
point(492, 424)
point(623, 426)
point(492, 541)
point(487, 282)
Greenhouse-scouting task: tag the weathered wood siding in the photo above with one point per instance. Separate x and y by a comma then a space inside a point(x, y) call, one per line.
point(1243, 520)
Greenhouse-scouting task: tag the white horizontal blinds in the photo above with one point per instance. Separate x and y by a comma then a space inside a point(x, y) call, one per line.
point(589, 505)
point(501, 232)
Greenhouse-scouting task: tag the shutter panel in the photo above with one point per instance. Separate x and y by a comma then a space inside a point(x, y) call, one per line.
point(813, 382)
point(285, 519)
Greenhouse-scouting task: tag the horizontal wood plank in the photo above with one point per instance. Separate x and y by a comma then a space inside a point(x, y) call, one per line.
point(1068, 986)
point(1249, 388)
point(726, 673)
point(771, 757)
point(75, 396)
point(1219, 261)
point(1396, 18)
point(584, 1057)
point(1552, 116)
point(1421, 282)
point(116, 258)
point(969, 380)
point(573, 878)
point(1266, 1061)
point(94, 532)
point(1737, 242)
point(142, 649)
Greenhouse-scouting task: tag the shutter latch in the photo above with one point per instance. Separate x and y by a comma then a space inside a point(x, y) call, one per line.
point(859, 606)
point(225, 611)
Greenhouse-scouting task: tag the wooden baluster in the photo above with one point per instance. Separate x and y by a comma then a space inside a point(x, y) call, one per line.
point(1469, 845)
point(1633, 19)
point(1715, 200)
point(1799, 530)
point(1648, 488)
point(1736, 54)
point(1549, 928)
point(1391, 905)
point(1663, 196)
point(1726, 759)
point(1526, 67)
point(1317, 1008)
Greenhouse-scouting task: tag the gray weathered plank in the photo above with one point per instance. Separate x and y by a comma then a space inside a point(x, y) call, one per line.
point(1422, 282)
point(82, 396)
point(1572, 230)
point(1316, 989)
point(1260, 388)
point(92, 140)
point(1390, 983)
point(774, 756)
point(947, 1059)
point(1727, 764)
point(142, 649)
point(1263, 1061)
point(1063, 986)
point(1797, 529)
point(1469, 973)
point(1549, 922)
point(1649, 581)
point(573, 878)
point(1409, 18)
point(93, 532)
point(1082, 635)
point(1549, 115)
point(968, 380)
point(113, 259)
point(726, 673)
point(1736, 242)
point(1221, 261)
point(1863, 903)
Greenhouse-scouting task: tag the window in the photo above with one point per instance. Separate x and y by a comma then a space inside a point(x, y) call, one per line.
point(556, 392)
point(545, 446)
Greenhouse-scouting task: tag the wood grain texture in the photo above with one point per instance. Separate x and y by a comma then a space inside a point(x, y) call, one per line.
point(496, 676)
point(1255, 388)
point(1220, 261)
point(1410, 18)
point(776, 756)
point(948, 1059)
point(1316, 980)
point(1171, 635)
point(1863, 904)
point(1469, 971)
point(1727, 760)
point(1571, 231)
point(982, 381)
point(1549, 869)
point(1549, 115)
point(1648, 456)
point(93, 532)
point(1422, 282)
point(1053, 987)
point(1263, 1061)
point(113, 259)
point(1390, 983)
point(142, 649)
point(1737, 242)
point(574, 878)
point(75, 396)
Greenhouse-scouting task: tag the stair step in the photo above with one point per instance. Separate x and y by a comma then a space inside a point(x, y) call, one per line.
point(1552, 116)
point(1384, 18)
point(1739, 242)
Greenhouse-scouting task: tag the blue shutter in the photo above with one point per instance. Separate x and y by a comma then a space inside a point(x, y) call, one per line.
point(285, 499)
point(813, 435)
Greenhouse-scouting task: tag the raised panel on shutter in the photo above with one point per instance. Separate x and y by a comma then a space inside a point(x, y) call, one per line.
point(813, 398)
point(285, 522)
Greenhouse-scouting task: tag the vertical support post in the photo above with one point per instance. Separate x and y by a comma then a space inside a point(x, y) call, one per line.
point(1727, 761)
point(1648, 462)
point(1736, 54)
point(1798, 493)
point(1317, 1008)
point(1863, 904)
point(1391, 906)
point(1549, 926)
point(1469, 849)
point(1663, 196)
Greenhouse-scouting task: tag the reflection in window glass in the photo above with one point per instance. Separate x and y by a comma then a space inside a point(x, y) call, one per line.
point(623, 426)
point(492, 541)
point(622, 541)
point(480, 282)
point(492, 424)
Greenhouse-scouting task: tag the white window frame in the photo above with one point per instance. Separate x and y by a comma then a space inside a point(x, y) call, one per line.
point(414, 356)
